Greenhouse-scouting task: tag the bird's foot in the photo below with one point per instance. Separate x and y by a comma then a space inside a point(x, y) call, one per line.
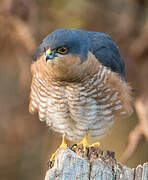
point(96, 144)
point(85, 144)
point(62, 146)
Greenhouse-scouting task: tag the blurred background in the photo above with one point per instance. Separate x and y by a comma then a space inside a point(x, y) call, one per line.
point(25, 142)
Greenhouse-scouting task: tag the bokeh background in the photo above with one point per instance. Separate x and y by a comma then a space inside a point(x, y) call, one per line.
point(25, 142)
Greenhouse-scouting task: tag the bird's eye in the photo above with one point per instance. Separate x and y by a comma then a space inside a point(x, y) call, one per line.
point(62, 50)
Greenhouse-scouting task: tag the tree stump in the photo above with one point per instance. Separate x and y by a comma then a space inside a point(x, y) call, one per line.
point(95, 164)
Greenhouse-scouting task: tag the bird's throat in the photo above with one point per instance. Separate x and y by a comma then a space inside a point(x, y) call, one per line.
point(68, 68)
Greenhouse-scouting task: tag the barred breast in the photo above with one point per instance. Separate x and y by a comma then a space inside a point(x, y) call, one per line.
point(78, 108)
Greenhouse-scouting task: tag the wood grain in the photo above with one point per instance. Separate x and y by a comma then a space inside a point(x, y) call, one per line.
point(69, 165)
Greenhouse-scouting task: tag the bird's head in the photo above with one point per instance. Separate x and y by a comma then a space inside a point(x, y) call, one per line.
point(64, 54)
point(61, 43)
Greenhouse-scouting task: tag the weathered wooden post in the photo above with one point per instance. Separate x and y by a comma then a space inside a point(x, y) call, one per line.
point(95, 164)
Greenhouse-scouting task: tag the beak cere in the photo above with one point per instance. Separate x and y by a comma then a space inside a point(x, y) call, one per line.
point(49, 54)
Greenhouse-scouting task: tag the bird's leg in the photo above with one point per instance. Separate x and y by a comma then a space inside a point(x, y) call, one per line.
point(62, 146)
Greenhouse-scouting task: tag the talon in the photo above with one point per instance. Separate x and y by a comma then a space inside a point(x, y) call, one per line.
point(49, 164)
point(74, 146)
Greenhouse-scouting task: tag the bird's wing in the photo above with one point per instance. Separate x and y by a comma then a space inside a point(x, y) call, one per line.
point(107, 52)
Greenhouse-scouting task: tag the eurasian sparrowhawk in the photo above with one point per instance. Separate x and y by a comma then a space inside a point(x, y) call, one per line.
point(79, 84)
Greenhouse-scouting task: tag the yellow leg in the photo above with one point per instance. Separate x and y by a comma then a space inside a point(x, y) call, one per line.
point(63, 145)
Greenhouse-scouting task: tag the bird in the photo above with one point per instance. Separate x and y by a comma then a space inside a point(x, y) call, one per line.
point(79, 84)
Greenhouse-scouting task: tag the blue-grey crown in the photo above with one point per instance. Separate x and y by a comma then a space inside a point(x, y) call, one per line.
point(77, 45)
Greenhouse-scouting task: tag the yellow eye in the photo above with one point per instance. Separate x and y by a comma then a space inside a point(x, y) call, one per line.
point(62, 50)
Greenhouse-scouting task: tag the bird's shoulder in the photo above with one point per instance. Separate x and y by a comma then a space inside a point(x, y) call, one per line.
point(105, 50)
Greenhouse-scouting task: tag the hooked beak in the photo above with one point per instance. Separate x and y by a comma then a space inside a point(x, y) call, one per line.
point(49, 54)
